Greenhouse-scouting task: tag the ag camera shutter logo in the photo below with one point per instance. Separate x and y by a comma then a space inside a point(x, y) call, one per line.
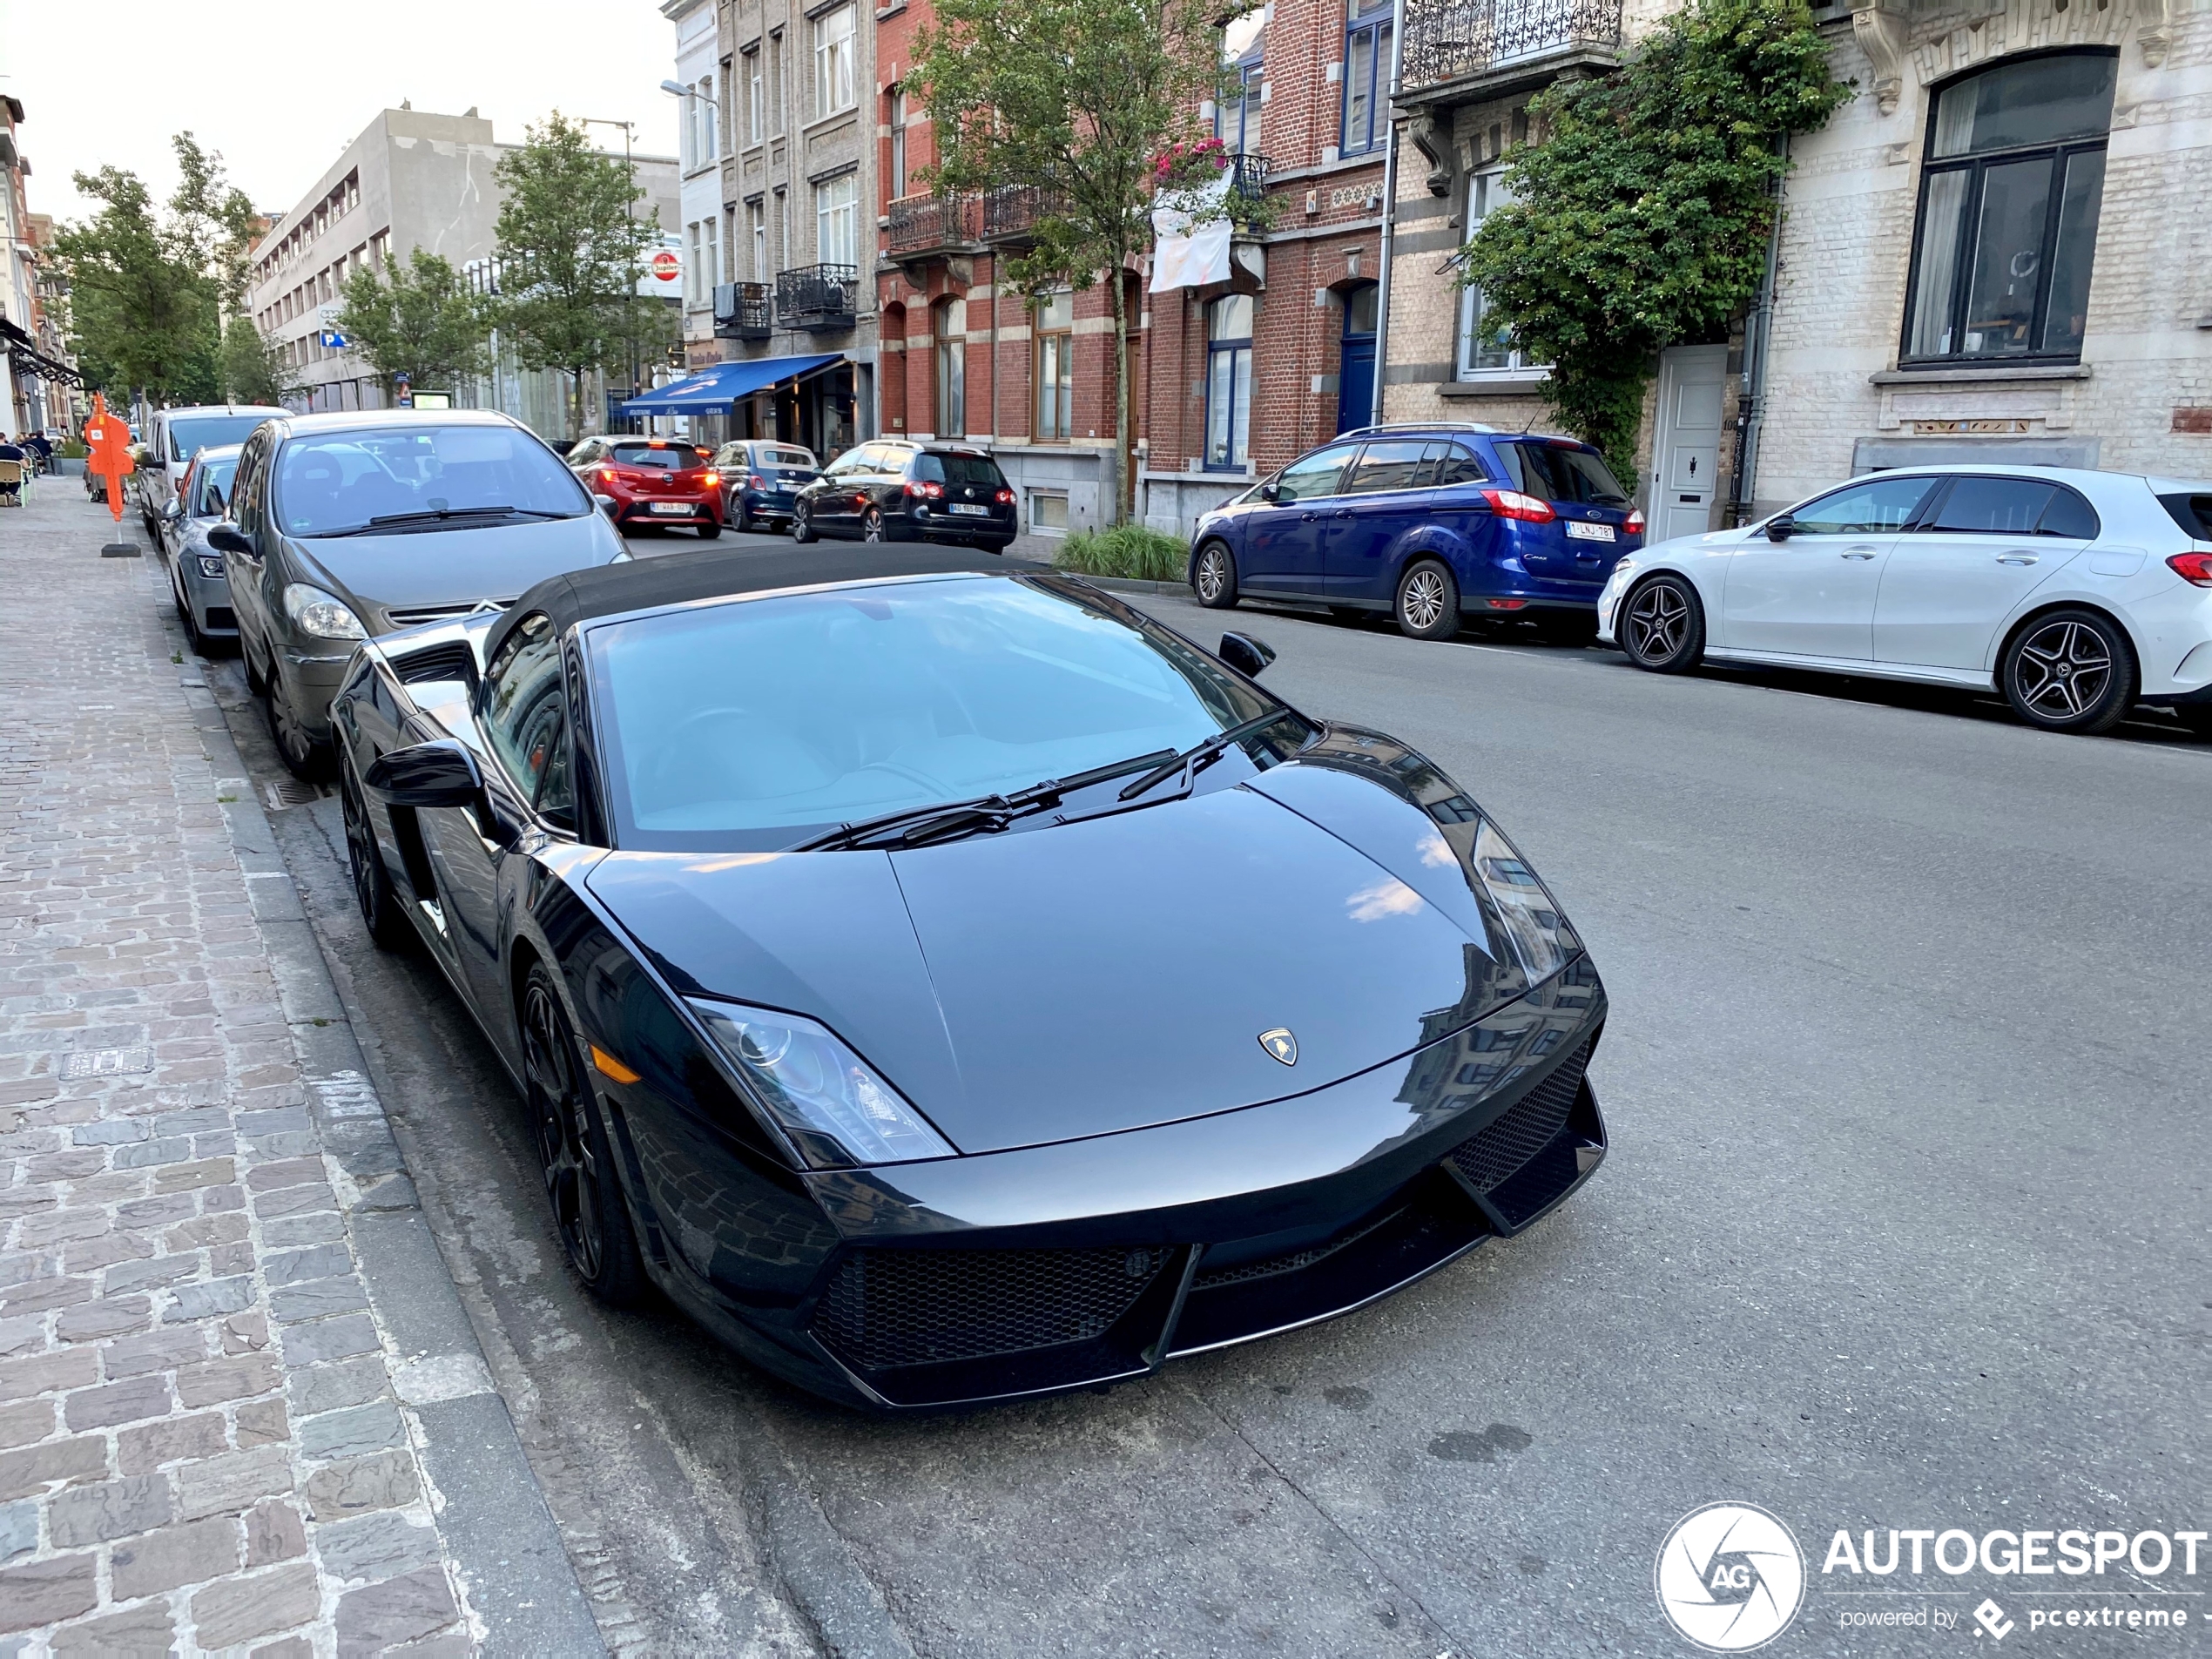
point(1729, 1577)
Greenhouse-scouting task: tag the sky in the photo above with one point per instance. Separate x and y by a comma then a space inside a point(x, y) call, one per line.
point(280, 86)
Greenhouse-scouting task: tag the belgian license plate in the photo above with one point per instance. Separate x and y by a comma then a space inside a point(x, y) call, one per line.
point(973, 512)
point(1578, 531)
point(672, 506)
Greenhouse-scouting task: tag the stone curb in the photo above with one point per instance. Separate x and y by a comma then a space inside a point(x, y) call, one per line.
point(499, 1534)
point(1128, 584)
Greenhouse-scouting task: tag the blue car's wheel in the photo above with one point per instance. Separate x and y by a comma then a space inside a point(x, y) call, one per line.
point(1428, 601)
point(1214, 576)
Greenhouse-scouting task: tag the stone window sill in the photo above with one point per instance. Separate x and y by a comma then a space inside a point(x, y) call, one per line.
point(1979, 376)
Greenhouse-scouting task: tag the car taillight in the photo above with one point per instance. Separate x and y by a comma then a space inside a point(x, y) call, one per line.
point(2195, 569)
point(931, 491)
point(756, 482)
point(1511, 504)
point(606, 474)
point(1005, 498)
point(709, 478)
point(1508, 604)
point(1634, 525)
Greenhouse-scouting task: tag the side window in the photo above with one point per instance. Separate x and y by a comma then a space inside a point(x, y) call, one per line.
point(1315, 475)
point(2071, 516)
point(1993, 507)
point(1395, 464)
point(928, 469)
point(1457, 466)
point(1876, 507)
point(583, 455)
point(246, 493)
point(523, 715)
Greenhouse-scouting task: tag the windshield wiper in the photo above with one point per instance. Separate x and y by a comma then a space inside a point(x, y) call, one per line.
point(947, 821)
point(1201, 755)
point(439, 514)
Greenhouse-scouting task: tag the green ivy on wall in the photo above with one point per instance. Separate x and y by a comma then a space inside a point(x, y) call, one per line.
point(1641, 218)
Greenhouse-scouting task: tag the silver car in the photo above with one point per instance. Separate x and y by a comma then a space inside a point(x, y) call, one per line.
point(195, 573)
point(174, 436)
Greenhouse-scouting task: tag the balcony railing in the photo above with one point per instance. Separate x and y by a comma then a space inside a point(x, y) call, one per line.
point(928, 224)
point(818, 296)
point(1248, 176)
point(1011, 212)
point(1457, 40)
point(741, 311)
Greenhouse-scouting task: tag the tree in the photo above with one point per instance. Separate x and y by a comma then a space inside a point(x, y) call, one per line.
point(254, 368)
point(1641, 218)
point(569, 242)
point(420, 322)
point(1080, 98)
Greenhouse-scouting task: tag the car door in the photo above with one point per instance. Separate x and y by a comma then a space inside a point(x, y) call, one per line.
point(522, 716)
point(836, 510)
point(1284, 540)
point(1385, 496)
point(1983, 546)
point(244, 569)
point(1812, 594)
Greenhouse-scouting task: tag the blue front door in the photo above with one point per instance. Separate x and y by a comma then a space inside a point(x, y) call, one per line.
point(1356, 360)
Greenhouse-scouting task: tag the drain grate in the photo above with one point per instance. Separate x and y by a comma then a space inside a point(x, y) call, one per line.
point(291, 792)
point(105, 1063)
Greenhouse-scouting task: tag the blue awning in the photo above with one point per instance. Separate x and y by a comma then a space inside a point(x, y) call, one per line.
point(711, 391)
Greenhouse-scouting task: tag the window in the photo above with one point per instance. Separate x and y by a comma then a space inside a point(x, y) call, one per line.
point(709, 258)
point(524, 718)
point(1316, 475)
point(1056, 358)
point(833, 61)
point(836, 231)
point(1235, 122)
point(755, 98)
point(2013, 507)
point(1487, 350)
point(949, 322)
point(1866, 509)
point(707, 149)
point(1366, 76)
point(1558, 473)
point(2009, 198)
point(1229, 382)
point(694, 273)
point(1395, 465)
point(898, 144)
point(756, 218)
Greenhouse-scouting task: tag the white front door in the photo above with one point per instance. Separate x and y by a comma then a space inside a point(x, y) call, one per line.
point(1948, 587)
point(1687, 445)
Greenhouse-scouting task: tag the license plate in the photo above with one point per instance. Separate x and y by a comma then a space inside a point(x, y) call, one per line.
point(973, 512)
point(673, 506)
point(1578, 531)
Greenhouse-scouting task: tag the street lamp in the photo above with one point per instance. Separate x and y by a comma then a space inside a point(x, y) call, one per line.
point(630, 311)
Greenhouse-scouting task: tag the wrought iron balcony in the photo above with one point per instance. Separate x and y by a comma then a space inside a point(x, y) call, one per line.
point(741, 311)
point(1489, 44)
point(817, 296)
point(1011, 212)
point(1248, 176)
point(923, 225)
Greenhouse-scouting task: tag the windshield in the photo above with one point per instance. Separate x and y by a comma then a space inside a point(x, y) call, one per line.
point(187, 438)
point(329, 483)
point(212, 488)
point(754, 725)
point(667, 457)
point(1558, 474)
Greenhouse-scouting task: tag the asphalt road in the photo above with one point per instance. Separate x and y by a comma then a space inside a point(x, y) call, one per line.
point(1904, 1226)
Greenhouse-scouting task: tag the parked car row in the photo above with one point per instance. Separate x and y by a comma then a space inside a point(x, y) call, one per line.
point(2076, 594)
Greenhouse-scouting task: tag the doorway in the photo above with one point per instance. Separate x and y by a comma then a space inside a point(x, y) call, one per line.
point(1686, 446)
point(1356, 360)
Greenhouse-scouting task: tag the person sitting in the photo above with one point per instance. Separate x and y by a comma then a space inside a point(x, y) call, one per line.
point(14, 460)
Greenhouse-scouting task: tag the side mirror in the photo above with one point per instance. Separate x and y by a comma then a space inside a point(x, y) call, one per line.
point(1271, 491)
point(172, 510)
point(443, 774)
point(1781, 528)
point(227, 537)
point(1246, 655)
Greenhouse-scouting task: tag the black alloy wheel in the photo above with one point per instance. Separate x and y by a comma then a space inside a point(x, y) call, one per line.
point(1428, 602)
point(372, 888)
point(741, 515)
point(1662, 626)
point(302, 756)
point(872, 528)
point(802, 524)
point(1214, 578)
point(2071, 671)
point(588, 1205)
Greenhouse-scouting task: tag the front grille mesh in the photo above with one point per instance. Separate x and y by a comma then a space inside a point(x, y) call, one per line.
point(907, 1307)
point(1267, 1267)
point(1493, 1153)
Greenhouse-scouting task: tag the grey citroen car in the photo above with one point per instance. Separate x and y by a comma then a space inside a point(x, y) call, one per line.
point(345, 526)
point(197, 576)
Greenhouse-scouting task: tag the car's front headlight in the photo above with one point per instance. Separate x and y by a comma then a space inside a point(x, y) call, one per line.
point(838, 1109)
point(323, 615)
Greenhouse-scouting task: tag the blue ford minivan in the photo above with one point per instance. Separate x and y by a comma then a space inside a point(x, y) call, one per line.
point(1432, 522)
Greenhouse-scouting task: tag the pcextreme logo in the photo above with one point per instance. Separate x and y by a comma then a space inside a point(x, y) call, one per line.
point(1729, 1577)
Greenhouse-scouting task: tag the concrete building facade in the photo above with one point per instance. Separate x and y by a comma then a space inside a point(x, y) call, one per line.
point(700, 128)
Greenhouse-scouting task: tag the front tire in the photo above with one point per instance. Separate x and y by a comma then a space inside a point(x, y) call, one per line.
point(589, 1210)
point(2071, 671)
point(1428, 602)
point(372, 889)
point(1661, 628)
point(303, 757)
point(1214, 576)
point(802, 525)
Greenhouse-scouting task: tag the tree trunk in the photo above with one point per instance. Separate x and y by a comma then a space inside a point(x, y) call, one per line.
point(1114, 480)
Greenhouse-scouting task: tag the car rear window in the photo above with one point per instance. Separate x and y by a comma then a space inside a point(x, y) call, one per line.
point(958, 469)
point(787, 458)
point(2193, 512)
point(1556, 473)
point(668, 457)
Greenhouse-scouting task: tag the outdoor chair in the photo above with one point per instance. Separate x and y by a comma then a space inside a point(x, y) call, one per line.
point(11, 483)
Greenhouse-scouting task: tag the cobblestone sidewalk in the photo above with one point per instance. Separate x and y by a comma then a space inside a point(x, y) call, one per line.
point(201, 1445)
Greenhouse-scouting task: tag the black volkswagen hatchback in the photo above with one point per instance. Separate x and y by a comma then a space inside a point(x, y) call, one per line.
point(890, 489)
point(953, 986)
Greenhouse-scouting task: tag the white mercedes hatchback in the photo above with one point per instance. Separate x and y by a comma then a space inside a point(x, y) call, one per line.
point(2076, 594)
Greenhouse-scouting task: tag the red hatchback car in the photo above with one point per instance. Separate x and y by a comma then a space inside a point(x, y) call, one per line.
point(651, 481)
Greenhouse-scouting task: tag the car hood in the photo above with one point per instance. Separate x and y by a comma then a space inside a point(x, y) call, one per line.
point(375, 574)
point(1074, 980)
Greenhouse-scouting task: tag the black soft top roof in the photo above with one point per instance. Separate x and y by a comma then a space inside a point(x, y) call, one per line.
point(714, 573)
